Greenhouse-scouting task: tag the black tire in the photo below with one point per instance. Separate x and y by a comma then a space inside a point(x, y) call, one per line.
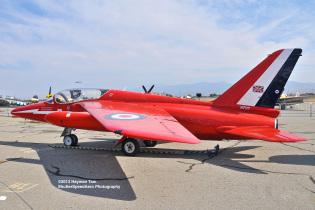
point(130, 147)
point(76, 139)
point(150, 143)
point(70, 140)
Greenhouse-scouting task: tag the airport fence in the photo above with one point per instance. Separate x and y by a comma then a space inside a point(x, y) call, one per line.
point(297, 110)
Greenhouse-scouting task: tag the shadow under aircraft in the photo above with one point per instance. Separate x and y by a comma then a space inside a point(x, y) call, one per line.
point(103, 167)
point(66, 167)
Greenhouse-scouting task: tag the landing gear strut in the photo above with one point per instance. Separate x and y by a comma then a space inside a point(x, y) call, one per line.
point(148, 143)
point(214, 152)
point(69, 139)
point(130, 147)
point(217, 149)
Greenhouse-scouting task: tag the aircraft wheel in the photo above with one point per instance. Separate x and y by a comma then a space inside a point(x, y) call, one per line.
point(70, 140)
point(150, 143)
point(76, 139)
point(130, 147)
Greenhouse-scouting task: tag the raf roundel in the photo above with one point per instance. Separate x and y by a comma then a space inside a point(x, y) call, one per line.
point(125, 116)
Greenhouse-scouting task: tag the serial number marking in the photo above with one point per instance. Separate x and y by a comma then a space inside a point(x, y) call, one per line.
point(245, 107)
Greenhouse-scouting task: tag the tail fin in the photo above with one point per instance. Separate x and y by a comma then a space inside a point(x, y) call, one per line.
point(49, 93)
point(263, 85)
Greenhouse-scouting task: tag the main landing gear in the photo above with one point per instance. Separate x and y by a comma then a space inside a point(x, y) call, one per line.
point(131, 146)
point(148, 143)
point(215, 151)
point(69, 139)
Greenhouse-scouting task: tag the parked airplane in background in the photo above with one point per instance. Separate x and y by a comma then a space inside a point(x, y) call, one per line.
point(35, 99)
point(244, 111)
point(12, 101)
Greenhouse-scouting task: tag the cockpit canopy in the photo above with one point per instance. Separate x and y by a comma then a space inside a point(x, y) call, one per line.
point(78, 94)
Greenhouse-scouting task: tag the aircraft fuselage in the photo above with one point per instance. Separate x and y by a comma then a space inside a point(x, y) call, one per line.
point(200, 118)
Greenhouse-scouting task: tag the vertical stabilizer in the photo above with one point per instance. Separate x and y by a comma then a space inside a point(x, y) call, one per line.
point(263, 85)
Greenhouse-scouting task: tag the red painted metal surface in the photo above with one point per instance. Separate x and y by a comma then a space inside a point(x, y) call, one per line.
point(200, 118)
point(155, 117)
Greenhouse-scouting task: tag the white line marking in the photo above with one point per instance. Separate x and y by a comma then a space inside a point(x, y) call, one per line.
point(18, 187)
point(37, 111)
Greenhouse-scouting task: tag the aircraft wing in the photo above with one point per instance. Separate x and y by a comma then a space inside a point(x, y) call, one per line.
point(139, 121)
point(262, 133)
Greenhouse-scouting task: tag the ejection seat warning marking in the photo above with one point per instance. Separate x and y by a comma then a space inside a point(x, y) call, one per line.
point(125, 116)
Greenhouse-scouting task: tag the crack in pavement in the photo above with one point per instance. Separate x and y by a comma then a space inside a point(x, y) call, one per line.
point(11, 159)
point(192, 165)
point(57, 173)
point(308, 189)
point(308, 144)
point(272, 172)
point(299, 148)
point(210, 156)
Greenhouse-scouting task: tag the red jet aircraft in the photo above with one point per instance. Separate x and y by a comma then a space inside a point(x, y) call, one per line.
point(244, 111)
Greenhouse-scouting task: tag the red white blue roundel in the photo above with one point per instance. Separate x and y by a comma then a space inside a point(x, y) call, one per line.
point(125, 116)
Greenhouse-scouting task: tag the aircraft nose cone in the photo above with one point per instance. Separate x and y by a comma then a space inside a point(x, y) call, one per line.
point(15, 111)
point(29, 112)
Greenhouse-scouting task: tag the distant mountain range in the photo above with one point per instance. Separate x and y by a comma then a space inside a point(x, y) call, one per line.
point(206, 88)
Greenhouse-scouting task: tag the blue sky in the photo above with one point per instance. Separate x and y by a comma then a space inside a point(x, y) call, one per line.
point(124, 43)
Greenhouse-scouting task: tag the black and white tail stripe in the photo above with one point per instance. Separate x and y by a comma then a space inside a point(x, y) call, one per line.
point(268, 88)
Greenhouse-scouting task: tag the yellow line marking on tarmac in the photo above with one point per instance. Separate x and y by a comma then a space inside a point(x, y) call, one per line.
point(18, 187)
point(3, 161)
point(27, 151)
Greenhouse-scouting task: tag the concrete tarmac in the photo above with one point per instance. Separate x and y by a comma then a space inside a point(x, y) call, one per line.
point(245, 174)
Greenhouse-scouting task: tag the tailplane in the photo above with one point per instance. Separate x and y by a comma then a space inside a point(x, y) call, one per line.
point(264, 84)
